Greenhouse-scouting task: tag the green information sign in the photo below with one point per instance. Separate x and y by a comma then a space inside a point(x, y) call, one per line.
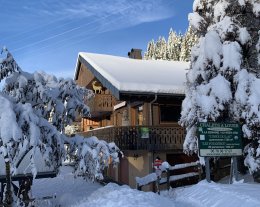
point(144, 131)
point(219, 139)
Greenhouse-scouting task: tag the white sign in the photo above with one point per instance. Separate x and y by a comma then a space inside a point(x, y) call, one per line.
point(218, 152)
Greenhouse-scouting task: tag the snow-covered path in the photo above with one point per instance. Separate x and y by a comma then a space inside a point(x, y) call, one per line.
point(76, 192)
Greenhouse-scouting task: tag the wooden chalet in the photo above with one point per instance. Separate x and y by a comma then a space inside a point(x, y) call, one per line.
point(137, 105)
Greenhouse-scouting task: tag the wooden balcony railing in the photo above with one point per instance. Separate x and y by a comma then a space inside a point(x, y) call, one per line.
point(141, 137)
point(102, 103)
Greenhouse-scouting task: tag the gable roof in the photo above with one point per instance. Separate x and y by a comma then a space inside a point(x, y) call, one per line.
point(125, 75)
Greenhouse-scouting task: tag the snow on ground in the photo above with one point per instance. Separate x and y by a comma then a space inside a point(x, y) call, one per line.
point(76, 192)
point(113, 195)
point(204, 194)
point(68, 190)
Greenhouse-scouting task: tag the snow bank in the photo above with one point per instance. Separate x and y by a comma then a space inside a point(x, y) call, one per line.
point(206, 194)
point(113, 195)
point(67, 189)
point(71, 191)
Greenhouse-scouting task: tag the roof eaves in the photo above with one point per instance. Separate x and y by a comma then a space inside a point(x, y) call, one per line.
point(76, 73)
point(151, 93)
point(124, 94)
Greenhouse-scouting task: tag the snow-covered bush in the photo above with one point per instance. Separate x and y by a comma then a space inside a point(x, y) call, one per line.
point(223, 81)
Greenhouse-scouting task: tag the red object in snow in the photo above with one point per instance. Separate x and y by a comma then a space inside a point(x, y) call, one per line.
point(157, 163)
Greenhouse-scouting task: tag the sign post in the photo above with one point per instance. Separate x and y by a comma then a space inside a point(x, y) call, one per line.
point(220, 140)
point(207, 167)
point(233, 170)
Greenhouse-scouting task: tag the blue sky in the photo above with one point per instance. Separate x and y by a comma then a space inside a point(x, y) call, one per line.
point(48, 34)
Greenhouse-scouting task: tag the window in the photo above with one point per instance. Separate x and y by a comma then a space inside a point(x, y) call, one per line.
point(140, 116)
point(170, 113)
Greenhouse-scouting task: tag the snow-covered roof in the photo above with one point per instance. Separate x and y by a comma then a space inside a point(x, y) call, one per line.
point(125, 75)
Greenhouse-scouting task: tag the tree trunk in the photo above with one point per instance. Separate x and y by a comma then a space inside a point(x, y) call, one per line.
point(8, 193)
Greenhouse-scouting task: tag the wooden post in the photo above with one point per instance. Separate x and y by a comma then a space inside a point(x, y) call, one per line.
point(8, 194)
point(168, 178)
point(199, 170)
point(139, 187)
point(1, 193)
point(207, 166)
point(231, 171)
point(235, 168)
point(158, 185)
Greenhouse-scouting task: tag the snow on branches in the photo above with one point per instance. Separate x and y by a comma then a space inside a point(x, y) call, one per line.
point(223, 82)
point(21, 131)
point(92, 156)
point(55, 100)
point(7, 64)
point(176, 48)
point(34, 110)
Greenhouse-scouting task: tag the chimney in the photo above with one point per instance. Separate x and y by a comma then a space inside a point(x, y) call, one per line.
point(135, 54)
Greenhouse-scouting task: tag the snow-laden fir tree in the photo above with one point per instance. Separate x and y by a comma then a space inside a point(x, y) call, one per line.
point(173, 46)
point(177, 47)
point(150, 53)
point(223, 81)
point(55, 100)
point(184, 53)
point(171, 40)
point(160, 49)
point(34, 110)
point(188, 40)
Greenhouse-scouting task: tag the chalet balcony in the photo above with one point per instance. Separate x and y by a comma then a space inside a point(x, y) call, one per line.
point(101, 104)
point(141, 137)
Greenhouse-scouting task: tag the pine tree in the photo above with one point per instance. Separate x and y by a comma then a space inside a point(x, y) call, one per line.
point(173, 46)
point(177, 48)
point(164, 49)
point(160, 49)
point(170, 44)
point(223, 82)
point(150, 53)
point(184, 52)
point(34, 110)
point(188, 41)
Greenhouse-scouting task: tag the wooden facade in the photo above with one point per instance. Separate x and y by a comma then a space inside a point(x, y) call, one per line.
point(142, 125)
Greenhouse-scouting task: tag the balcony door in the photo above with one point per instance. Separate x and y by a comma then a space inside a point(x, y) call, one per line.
point(139, 115)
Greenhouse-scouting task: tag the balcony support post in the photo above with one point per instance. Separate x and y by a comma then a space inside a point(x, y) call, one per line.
point(151, 109)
